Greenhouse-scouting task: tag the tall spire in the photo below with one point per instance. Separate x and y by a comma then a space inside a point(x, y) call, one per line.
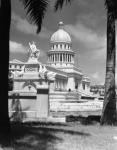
point(61, 25)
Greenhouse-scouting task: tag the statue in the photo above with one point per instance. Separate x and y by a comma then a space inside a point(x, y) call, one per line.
point(34, 52)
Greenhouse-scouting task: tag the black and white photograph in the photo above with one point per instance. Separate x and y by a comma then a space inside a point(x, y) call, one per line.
point(58, 74)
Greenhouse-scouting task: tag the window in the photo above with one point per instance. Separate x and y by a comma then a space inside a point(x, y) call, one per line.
point(83, 85)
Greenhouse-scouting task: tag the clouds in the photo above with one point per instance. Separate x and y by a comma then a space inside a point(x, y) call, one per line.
point(24, 26)
point(89, 40)
point(16, 47)
point(85, 35)
point(96, 75)
point(97, 78)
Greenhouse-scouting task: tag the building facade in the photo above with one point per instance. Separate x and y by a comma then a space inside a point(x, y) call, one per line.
point(63, 76)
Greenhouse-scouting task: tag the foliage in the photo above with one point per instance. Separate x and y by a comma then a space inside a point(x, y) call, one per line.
point(111, 6)
point(59, 3)
point(36, 10)
point(10, 84)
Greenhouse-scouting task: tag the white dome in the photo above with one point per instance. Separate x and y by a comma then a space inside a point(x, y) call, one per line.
point(60, 35)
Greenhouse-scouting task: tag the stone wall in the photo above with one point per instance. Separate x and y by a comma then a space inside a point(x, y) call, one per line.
point(31, 105)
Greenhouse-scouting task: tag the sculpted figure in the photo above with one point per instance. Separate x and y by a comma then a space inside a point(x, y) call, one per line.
point(34, 52)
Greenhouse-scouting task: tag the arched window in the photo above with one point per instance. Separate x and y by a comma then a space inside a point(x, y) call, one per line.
point(61, 46)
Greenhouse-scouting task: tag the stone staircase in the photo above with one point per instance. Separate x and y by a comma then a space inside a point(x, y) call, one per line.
point(71, 101)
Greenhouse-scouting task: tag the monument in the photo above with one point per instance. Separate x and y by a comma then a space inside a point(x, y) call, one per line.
point(32, 80)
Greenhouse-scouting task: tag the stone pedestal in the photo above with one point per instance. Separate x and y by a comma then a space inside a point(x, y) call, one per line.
point(42, 101)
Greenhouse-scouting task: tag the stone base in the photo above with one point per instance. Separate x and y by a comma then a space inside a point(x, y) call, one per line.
point(49, 119)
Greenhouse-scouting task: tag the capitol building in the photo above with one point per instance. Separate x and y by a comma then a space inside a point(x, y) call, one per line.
point(59, 72)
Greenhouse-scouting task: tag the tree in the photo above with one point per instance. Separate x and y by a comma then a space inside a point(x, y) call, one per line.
point(109, 106)
point(36, 10)
point(10, 82)
point(108, 116)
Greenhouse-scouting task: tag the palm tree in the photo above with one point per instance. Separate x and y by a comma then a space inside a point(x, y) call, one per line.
point(109, 106)
point(36, 10)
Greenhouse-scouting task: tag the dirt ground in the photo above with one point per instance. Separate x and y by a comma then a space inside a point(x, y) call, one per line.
point(70, 136)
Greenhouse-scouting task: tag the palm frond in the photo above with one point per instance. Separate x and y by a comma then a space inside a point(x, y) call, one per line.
point(36, 10)
point(111, 5)
point(59, 4)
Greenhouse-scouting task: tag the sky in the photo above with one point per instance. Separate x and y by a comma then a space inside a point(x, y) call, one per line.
point(84, 20)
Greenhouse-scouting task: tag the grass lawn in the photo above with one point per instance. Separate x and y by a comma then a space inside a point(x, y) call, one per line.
point(70, 136)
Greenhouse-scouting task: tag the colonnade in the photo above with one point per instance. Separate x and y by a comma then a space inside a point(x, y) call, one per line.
point(60, 84)
point(61, 57)
point(60, 46)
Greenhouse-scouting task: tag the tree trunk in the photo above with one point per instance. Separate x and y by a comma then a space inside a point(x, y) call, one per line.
point(5, 19)
point(109, 106)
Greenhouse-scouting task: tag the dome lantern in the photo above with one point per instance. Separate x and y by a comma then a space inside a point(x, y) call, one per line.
point(61, 25)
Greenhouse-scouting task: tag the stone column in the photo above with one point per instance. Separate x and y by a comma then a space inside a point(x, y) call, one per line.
point(54, 57)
